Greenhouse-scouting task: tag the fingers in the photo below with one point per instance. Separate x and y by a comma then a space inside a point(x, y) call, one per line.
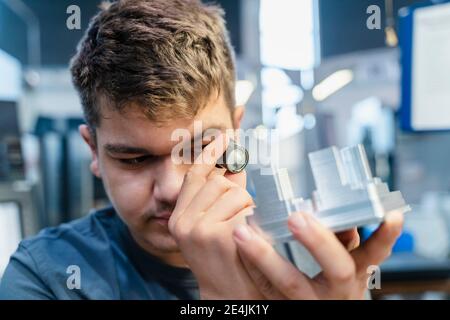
point(337, 264)
point(350, 239)
point(239, 178)
point(218, 200)
point(198, 174)
point(284, 276)
point(264, 286)
point(207, 159)
point(215, 187)
point(379, 246)
point(228, 204)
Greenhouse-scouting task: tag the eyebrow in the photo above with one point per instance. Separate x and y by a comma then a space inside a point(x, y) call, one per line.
point(126, 149)
point(122, 148)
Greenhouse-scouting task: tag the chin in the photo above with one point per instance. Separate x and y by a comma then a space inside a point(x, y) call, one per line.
point(159, 238)
point(162, 245)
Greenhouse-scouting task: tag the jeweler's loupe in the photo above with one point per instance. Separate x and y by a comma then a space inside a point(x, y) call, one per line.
point(234, 159)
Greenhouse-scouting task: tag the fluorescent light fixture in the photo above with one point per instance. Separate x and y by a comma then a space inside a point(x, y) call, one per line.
point(244, 90)
point(278, 48)
point(332, 84)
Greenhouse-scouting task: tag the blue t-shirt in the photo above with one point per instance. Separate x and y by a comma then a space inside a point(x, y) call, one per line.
point(94, 257)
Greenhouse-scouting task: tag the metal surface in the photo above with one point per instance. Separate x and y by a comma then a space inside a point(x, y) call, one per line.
point(346, 195)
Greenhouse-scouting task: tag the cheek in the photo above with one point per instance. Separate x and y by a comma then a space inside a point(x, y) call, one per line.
point(129, 191)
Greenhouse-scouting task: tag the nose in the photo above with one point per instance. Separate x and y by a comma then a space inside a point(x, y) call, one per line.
point(169, 178)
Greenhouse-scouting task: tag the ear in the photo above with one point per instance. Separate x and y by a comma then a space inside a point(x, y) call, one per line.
point(89, 139)
point(238, 114)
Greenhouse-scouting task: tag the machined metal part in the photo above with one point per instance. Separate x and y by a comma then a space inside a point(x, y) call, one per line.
point(234, 159)
point(346, 194)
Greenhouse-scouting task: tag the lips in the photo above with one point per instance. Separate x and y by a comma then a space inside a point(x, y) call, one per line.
point(164, 221)
point(164, 215)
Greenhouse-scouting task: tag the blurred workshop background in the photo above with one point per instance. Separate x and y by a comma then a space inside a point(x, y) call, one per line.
point(322, 72)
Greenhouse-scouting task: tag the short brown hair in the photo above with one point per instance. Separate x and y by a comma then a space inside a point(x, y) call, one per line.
point(167, 56)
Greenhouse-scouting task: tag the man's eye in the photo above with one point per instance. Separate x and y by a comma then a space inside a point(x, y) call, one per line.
point(134, 161)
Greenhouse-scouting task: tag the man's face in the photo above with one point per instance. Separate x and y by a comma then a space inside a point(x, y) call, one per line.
point(133, 157)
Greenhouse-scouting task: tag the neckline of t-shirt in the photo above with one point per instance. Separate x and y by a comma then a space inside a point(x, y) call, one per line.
point(159, 270)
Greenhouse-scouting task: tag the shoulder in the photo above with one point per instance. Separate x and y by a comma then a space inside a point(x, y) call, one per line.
point(90, 227)
point(48, 258)
point(85, 235)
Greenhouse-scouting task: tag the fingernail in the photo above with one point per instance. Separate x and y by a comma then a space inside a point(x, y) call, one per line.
point(250, 211)
point(394, 216)
point(352, 245)
point(242, 233)
point(298, 222)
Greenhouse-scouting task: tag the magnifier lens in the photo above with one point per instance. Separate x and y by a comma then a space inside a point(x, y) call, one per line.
point(236, 158)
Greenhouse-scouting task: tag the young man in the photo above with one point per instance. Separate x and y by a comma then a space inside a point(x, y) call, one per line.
point(144, 69)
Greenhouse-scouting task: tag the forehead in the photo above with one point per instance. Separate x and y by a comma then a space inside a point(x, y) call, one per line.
point(133, 128)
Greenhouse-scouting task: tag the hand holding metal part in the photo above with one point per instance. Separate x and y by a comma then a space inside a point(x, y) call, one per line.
point(346, 195)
